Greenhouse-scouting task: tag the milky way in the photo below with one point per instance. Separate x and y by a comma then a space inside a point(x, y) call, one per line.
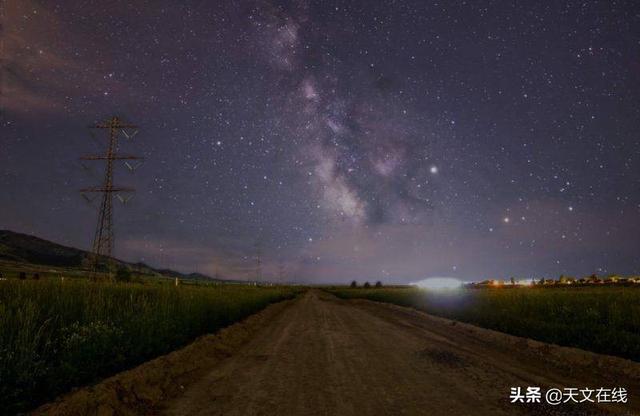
point(348, 140)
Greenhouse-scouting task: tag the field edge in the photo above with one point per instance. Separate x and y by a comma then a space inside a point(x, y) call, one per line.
point(562, 355)
point(142, 389)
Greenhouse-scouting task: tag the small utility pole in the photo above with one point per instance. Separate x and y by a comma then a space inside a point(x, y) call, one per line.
point(258, 248)
point(281, 271)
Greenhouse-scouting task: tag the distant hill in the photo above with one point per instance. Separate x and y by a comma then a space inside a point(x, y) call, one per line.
point(28, 249)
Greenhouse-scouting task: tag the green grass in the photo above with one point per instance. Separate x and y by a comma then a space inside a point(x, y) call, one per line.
point(57, 335)
point(604, 320)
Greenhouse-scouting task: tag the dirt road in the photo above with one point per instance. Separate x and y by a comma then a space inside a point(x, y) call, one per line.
point(326, 356)
point(319, 355)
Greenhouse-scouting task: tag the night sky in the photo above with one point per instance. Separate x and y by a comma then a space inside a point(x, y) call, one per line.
point(368, 140)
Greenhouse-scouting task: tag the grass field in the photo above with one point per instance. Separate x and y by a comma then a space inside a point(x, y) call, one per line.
point(57, 335)
point(600, 319)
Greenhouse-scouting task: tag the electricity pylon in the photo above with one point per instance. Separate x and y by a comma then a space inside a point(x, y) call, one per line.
point(258, 259)
point(281, 271)
point(103, 239)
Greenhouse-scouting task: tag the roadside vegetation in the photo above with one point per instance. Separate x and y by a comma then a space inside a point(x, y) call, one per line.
point(602, 319)
point(56, 335)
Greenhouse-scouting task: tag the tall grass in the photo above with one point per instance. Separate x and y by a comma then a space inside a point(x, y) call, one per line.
point(604, 320)
point(56, 335)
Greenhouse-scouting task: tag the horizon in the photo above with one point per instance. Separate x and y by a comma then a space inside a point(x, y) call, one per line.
point(338, 140)
point(519, 280)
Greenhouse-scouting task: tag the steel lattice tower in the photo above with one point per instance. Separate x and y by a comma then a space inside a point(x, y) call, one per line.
point(103, 239)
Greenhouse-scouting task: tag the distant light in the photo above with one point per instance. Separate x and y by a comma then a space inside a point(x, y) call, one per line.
point(439, 283)
point(433, 169)
point(570, 208)
point(506, 219)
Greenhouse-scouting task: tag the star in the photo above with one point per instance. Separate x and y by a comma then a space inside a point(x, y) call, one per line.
point(278, 124)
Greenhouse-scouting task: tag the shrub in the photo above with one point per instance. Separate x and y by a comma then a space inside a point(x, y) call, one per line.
point(123, 275)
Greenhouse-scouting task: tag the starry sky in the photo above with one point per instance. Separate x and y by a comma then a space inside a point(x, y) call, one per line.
point(368, 140)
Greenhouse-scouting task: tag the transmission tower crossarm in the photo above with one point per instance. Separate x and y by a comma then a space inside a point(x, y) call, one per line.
point(110, 125)
point(106, 189)
point(114, 157)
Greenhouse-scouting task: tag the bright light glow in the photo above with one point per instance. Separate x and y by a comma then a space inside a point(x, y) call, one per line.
point(433, 169)
point(439, 283)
